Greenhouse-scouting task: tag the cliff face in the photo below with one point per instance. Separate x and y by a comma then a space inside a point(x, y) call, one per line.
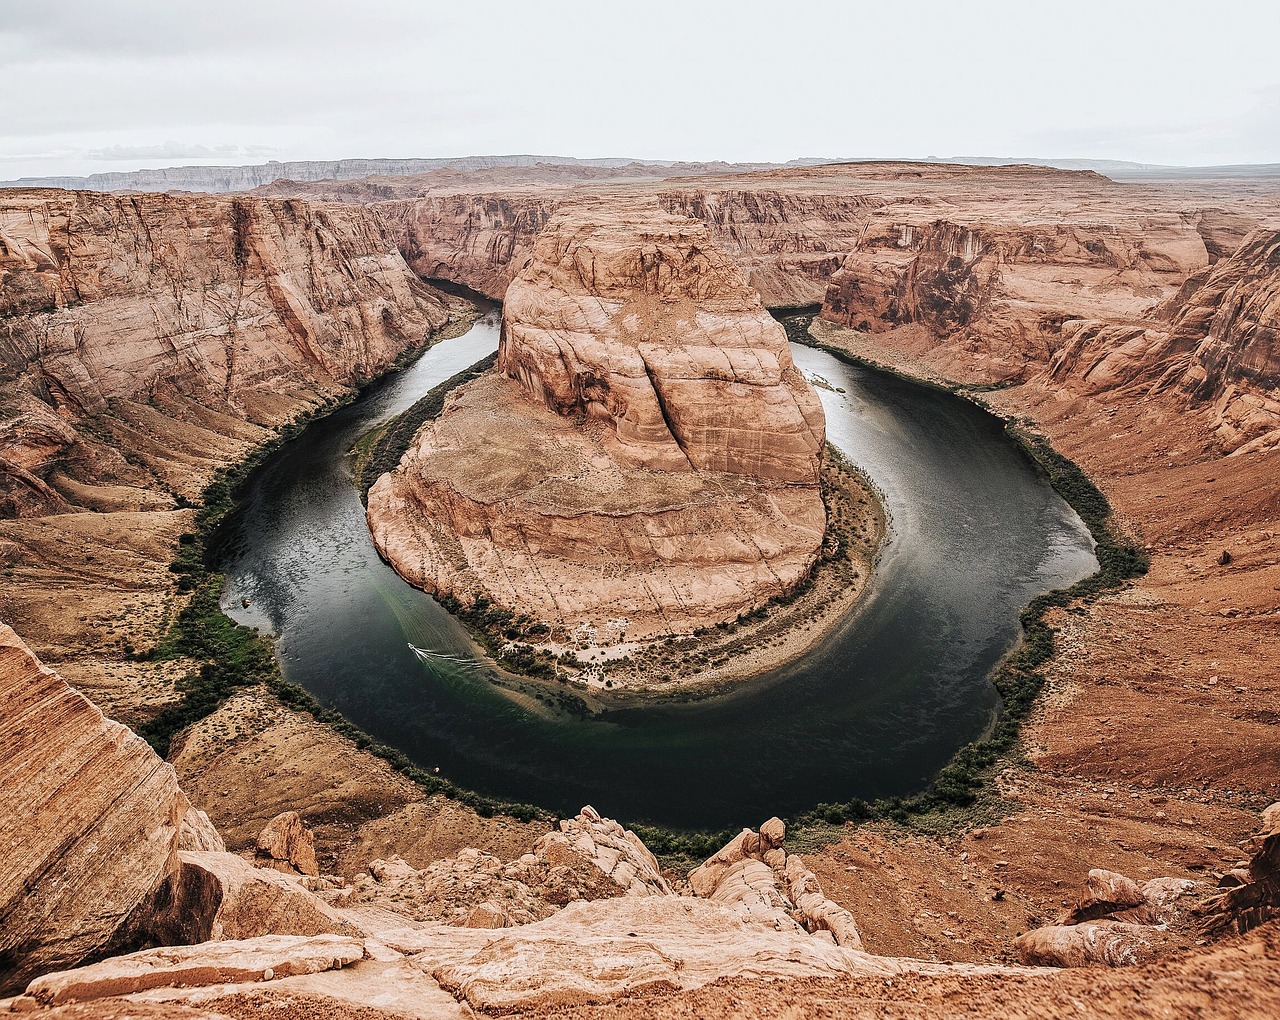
point(477, 240)
point(141, 338)
point(997, 293)
point(90, 823)
point(651, 453)
point(1213, 347)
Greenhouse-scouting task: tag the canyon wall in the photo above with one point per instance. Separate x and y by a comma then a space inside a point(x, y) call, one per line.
point(1213, 349)
point(650, 454)
point(479, 241)
point(144, 340)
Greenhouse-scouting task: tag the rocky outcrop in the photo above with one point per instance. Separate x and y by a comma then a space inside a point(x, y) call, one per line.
point(217, 896)
point(142, 339)
point(597, 952)
point(651, 452)
point(1114, 923)
point(1105, 943)
point(1251, 890)
point(616, 852)
point(480, 241)
point(587, 858)
point(89, 824)
point(198, 833)
point(263, 959)
point(754, 875)
point(639, 321)
point(1230, 329)
point(997, 293)
point(1213, 347)
point(286, 844)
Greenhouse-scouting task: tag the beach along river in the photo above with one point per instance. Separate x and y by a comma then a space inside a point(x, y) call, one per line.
point(875, 710)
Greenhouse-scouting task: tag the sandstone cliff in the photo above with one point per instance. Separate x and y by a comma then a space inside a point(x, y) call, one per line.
point(1212, 348)
point(144, 340)
point(651, 453)
point(89, 826)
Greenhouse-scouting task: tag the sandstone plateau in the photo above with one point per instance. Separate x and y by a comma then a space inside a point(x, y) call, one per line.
point(1154, 745)
point(650, 453)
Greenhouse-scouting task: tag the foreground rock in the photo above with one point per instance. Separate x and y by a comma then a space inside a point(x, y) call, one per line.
point(588, 858)
point(754, 875)
point(89, 827)
point(651, 453)
point(594, 952)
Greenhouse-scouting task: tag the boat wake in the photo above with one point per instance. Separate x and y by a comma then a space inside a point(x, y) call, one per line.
point(439, 658)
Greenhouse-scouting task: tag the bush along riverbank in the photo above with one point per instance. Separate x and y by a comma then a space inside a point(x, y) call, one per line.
point(968, 778)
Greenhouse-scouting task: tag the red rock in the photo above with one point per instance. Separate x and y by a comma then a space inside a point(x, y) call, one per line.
point(285, 840)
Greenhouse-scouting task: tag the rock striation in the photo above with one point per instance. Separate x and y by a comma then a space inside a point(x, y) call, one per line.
point(651, 452)
point(89, 828)
point(146, 339)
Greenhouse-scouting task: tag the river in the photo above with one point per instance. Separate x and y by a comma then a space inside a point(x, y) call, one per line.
point(875, 710)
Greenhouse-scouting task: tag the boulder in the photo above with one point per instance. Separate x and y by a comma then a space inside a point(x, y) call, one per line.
point(1104, 892)
point(89, 821)
point(755, 876)
point(286, 843)
point(1094, 943)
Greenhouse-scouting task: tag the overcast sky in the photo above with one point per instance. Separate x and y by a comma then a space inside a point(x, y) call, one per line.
point(122, 84)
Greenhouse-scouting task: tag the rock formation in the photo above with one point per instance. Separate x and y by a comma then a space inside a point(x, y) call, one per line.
point(144, 338)
point(651, 453)
point(287, 845)
point(754, 875)
point(1115, 922)
point(587, 858)
point(1251, 890)
point(92, 829)
point(89, 829)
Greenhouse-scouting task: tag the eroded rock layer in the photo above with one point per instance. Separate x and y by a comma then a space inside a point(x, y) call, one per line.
point(143, 340)
point(89, 829)
point(650, 452)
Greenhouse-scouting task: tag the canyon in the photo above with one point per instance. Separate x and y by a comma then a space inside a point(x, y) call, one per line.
point(150, 340)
